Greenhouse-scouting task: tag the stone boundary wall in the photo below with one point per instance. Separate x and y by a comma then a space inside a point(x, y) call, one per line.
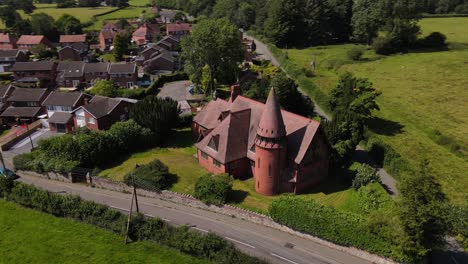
point(63, 177)
point(229, 210)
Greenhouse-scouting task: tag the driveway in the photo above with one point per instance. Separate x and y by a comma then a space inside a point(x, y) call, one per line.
point(178, 91)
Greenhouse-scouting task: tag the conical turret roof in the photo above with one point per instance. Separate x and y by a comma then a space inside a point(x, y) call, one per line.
point(271, 123)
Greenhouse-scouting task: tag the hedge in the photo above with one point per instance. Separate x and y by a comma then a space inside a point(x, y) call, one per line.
point(210, 246)
point(330, 224)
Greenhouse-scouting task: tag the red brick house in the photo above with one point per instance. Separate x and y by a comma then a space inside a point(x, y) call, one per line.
point(78, 42)
point(60, 106)
point(27, 42)
point(145, 33)
point(102, 112)
point(7, 41)
point(70, 73)
point(34, 73)
point(106, 36)
point(24, 104)
point(178, 30)
point(95, 72)
point(123, 74)
point(162, 61)
point(283, 151)
point(10, 57)
point(69, 54)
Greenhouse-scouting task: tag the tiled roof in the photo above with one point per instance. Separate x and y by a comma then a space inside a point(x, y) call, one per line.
point(96, 67)
point(146, 29)
point(122, 68)
point(33, 66)
point(21, 111)
point(9, 53)
point(62, 98)
point(101, 106)
point(71, 68)
point(5, 38)
point(4, 89)
point(60, 118)
point(72, 38)
point(30, 39)
point(271, 124)
point(27, 95)
point(209, 115)
point(178, 27)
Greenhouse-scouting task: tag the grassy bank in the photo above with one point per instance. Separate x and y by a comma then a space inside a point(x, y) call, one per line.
point(29, 236)
point(423, 103)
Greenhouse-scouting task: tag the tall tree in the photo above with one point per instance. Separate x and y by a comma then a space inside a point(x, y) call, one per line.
point(68, 24)
point(121, 44)
point(289, 96)
point(366, 20)
point(217, 44)
point(422, 212)
point(44, 24)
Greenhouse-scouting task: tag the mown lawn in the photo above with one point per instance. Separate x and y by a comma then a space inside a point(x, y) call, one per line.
point(29, 236)
point(127, 13)
point(424, 98)
point(84, 14)
point(180, 157)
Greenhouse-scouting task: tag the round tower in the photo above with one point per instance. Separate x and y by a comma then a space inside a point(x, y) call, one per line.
point(270, 148)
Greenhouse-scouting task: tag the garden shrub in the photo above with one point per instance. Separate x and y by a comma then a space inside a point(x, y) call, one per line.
point(435, 40)
point(213, 189)
point(355, 53)
point(210, 246)
point(383, 46)
point(330, 224)
point(153, 176)
point(365, 174)
point(373, 198)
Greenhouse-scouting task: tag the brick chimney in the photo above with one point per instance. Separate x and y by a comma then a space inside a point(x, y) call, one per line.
point(235, 91)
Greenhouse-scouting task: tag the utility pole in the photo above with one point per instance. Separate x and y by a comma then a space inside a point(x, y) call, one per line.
point(29, 135)
point(134, 197)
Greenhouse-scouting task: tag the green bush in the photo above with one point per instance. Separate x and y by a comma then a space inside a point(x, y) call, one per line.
point(330, 224)
point(213, 189)
point(365, 174)
point(435, 40)
point(383, 46)
point(355, 53)
point(210, 246)
point(153, 176)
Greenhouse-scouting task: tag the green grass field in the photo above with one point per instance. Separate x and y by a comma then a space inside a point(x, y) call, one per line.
point(129, 12)
point(84, 14)
point(180, 157)
point(29, 236)
point(425, 94)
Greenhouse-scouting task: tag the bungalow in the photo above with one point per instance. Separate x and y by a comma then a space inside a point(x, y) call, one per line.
point(7, 41)
point(30, 73)
point(60, 106)
point(27, 42)
point(160, 61)
point(178, 30)
point(145, 33)
point(10, 57)
point(25, 105)
point(78, 42)
point(96, 71)
point(123, 74)
point(70, 73)
point(102, 112)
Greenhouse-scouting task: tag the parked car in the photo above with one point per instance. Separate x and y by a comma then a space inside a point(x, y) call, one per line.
point(9, 174)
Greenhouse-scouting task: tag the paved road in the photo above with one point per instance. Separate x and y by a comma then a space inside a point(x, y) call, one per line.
point(258, 240)
point(178, 91)
point(360, 155)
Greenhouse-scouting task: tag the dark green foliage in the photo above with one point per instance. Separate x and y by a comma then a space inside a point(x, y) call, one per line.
point(289, 96)
point(69, 25)
point(66, 4)
point(372, 199)
point(104, 88)
point(355, 54)
point(153, 176)
point(6, 184)
point(435, 40)
point(161, 115)
point(121, 45)
point(209, 246)
point(332, 225)
point(365, 174)
point(422, 212)
point(86, 148)
point(44, 24)
point(213, 189)
point(383, 46)
point(458, 218)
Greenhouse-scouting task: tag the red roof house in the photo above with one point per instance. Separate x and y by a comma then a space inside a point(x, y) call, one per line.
point(26, 42)
point(145, 33)
point(7, 41)
point(178, 29)
point(283, 151)
point(77, 42)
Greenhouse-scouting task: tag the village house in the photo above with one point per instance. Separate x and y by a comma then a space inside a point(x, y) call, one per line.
point(148, 52)
point(169, 43)
point(35, 73)
point(102, 112)
point(94, 72)
point(145, 33)
point(284, 152)
point(161, 61)
point(10, 57)
point(69, 54)
point(78, 42)
point(106, 36)
point(5, 92)
point(124, 74)
point(178, 30)
point(24, 105)
point(27, 42)
point(60, 106)
point(7, 41)
point(70, 73)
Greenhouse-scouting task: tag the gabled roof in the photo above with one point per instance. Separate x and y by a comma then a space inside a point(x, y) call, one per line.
point(63, 98)
point(164, 54)
point(30, 39)
point(96, 67)
point(72, 38)
point(116, 68)
point(33, 66)
point(178, 27)
point(6, 38)
point(21, 111)
point(27, 94)
point(60, 118)
point(209, 115)
point(146, 29)
point(108, 34)
point(101, 106)
point(9, 53)
point(5, 89)
point(71, 68)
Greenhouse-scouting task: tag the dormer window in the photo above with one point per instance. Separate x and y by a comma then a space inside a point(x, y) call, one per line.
point(214, 142)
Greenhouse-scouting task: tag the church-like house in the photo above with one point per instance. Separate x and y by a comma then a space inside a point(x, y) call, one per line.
point(283, 151)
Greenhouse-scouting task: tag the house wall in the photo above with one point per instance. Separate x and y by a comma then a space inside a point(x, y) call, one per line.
point(209, 165)
point(122, 79)
point(69, 127)
point(93, 76)
point(69, 54)
point(68, 82)
point(7, 46)
point(239, 169)
point(159, 65)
